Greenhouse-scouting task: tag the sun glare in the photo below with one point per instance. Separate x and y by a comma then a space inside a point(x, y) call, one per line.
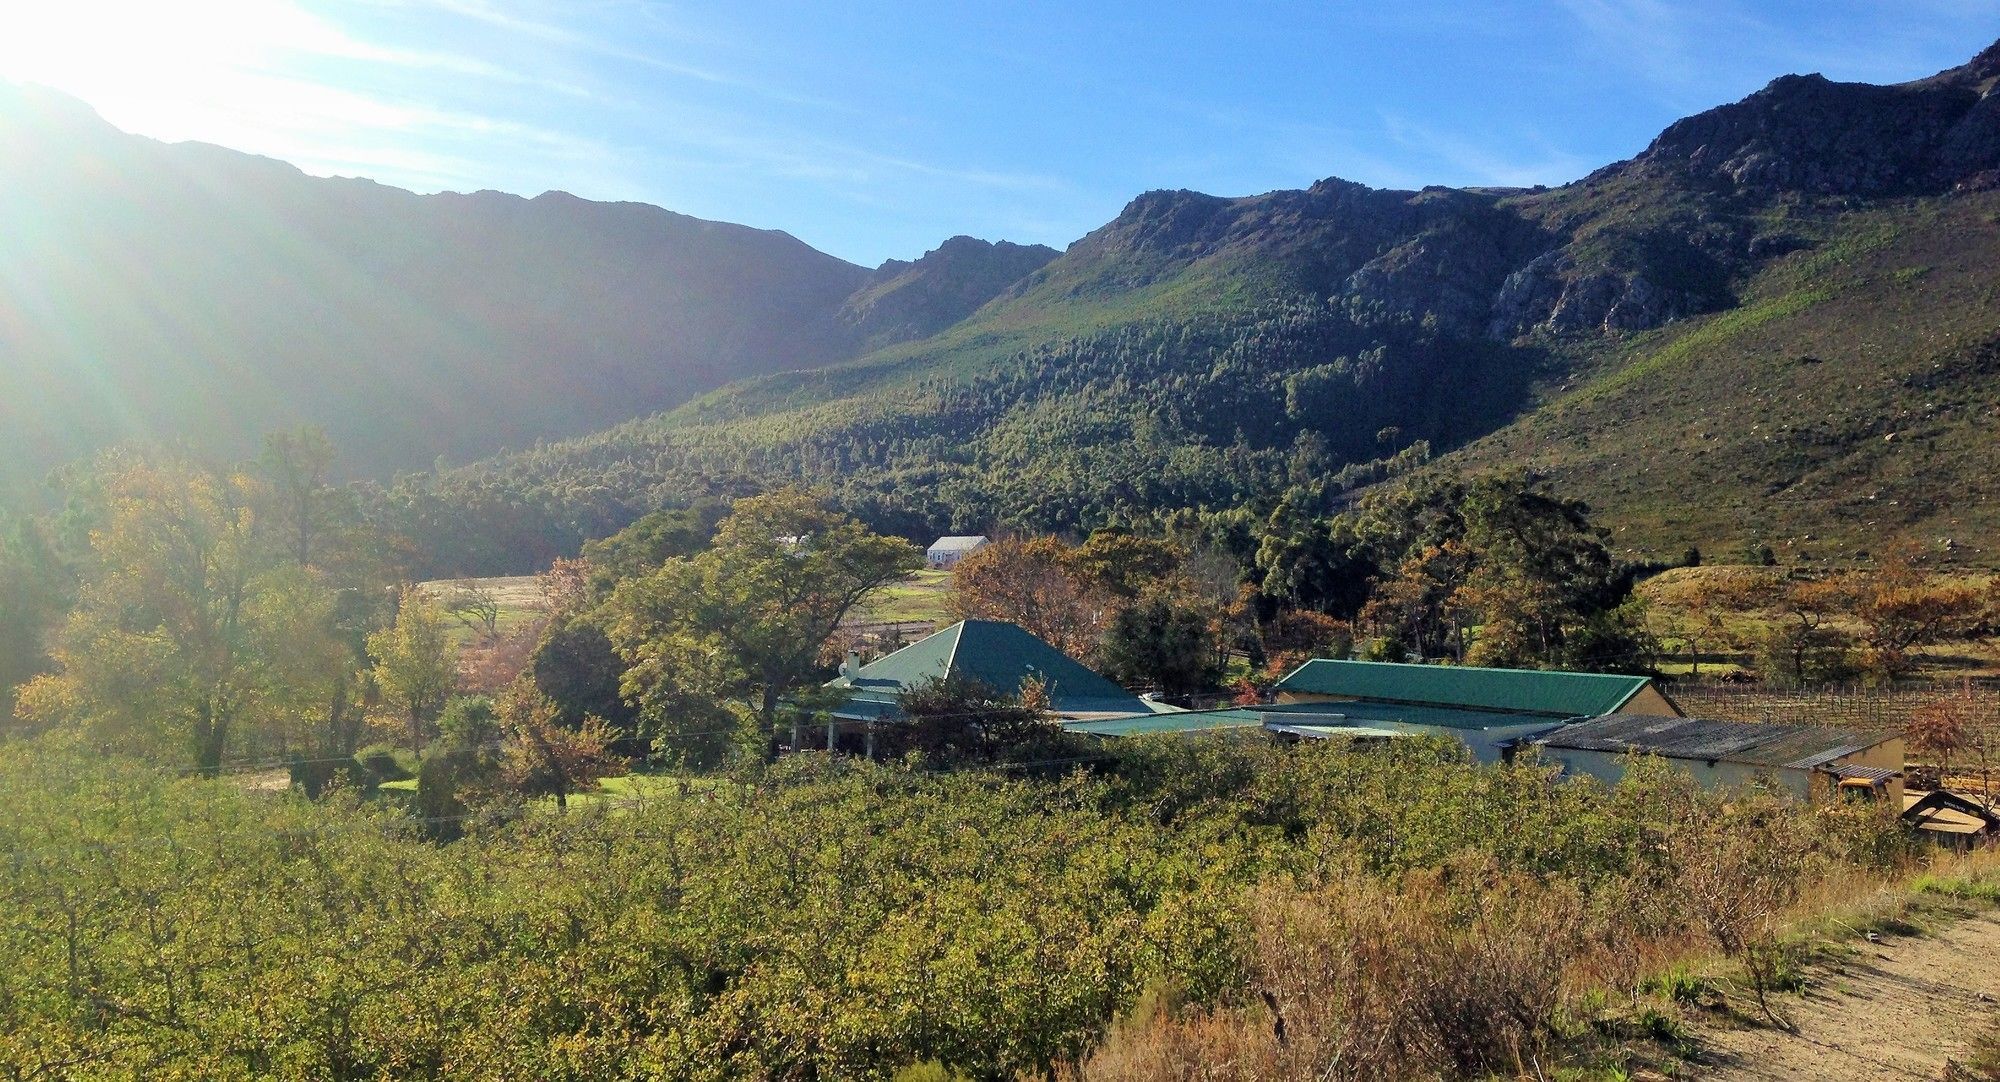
point(173, 71)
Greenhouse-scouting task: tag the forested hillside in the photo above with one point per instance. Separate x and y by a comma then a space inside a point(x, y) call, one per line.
point(1815, 239)
point(189, 293)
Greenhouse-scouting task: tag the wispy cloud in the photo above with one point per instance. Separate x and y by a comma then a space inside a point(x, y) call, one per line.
point(1467, 161)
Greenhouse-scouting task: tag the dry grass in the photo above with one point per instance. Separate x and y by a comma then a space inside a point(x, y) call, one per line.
point(1365, 979)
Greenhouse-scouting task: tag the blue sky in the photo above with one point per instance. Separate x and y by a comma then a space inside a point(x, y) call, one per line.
point(875, 130)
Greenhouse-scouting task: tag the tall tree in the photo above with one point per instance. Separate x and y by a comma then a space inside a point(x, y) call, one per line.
point(749, 614)
point(1040, 585)
point(298, 465)
point(416, 665)
point(1157, 642)
point(175, 638)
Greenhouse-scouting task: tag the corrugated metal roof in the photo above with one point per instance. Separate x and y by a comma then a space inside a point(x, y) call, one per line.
point(1366, 712)
point(997, 654)
point(1330, 732)
point(957, 543)
point(1853, 772)
point(1526, 691)
point(1798, 747)
point(1186, 721)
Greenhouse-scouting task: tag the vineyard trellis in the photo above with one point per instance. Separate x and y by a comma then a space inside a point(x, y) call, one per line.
point(1885, 708)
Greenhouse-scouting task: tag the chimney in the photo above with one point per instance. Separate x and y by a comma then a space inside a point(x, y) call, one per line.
point(852, 665)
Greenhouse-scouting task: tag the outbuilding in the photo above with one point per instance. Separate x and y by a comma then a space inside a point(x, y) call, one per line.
point(1814, 763)
point(946, 551)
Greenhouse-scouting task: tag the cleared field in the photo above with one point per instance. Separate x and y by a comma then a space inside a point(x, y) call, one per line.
point(920, 599)
point(518, 598)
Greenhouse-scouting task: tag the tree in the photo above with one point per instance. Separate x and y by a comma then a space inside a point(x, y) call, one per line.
point(475, 605)
point(176, 637)
point(541, 757)
point(297, 465)
point(1169, 646)
point(313, 672)
point(1901, 606)
point(747, 617)
point(35, 588)
point(1949, 726)
point(416, 665)
point(1039, 585)
point(1125, 564)
point(1802, 649)
point(958, 719)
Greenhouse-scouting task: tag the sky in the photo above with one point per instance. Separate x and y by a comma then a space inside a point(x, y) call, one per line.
point(876, 130)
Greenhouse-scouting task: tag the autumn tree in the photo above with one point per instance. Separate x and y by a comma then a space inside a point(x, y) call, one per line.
point(1804, 647)
point(1901, 605)
point(1038, 584)
point(542, 757)
point(416, 664)
point(746, 617)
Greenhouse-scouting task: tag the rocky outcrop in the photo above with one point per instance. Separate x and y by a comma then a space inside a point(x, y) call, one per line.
point(906, 300)
point(1808, 134)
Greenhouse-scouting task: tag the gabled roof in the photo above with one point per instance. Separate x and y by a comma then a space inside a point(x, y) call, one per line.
point(1522, 691)
point(1797, 747)
point(1000, 655)
point(957, 543)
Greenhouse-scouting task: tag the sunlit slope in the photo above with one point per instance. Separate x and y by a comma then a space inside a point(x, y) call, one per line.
point(186, 293)
point(1852, 397)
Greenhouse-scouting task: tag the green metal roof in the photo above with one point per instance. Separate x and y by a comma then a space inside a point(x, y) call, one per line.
point(1366, 712)
point(1186, 721)
point(1522, 691)
point(998, 654)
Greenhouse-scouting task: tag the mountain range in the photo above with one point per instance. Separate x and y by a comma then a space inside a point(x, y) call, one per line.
point(187, 293)
point(1777, 324)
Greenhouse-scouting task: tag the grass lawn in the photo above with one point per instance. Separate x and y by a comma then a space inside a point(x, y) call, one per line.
point(921, 598)
point(611, 792)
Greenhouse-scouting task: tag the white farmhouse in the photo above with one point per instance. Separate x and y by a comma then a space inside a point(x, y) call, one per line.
point(946, 551)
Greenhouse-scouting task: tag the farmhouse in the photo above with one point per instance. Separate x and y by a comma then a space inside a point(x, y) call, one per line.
point(1814, 763)
point(1000, 655)
point(946, 551)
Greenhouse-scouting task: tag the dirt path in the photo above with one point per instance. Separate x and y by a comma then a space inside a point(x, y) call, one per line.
point(1896, 1009)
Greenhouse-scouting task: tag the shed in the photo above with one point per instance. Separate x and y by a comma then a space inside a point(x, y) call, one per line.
point(1516, 691)
point(1949, 819)
point(946, 551)
point(1489, 736)
point(1809, 760)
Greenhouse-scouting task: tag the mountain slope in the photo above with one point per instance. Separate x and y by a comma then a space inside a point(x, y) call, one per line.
point(905, 301)
point(1210, 352)
point(186, 292)
point(1851, 397)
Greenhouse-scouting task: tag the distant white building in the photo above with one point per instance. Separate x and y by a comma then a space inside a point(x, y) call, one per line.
point(946, 551)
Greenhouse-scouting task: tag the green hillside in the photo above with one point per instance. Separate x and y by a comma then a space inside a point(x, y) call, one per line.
point(1775, 324)
point(1851, 397)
